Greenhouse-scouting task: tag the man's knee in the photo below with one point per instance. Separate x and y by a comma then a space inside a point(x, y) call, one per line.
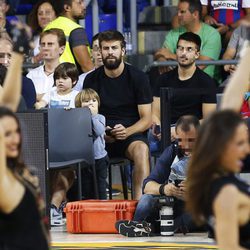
point(138, 151)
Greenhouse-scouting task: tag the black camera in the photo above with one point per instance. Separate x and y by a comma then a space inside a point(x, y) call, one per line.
point(108, 131)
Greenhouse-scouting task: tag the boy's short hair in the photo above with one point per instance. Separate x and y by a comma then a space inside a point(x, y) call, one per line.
point(65, 70)
point(86, 94)
point(57, 32)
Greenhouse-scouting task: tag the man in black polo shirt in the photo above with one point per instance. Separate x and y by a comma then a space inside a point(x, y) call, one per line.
point(125, 98)
point(197, 90)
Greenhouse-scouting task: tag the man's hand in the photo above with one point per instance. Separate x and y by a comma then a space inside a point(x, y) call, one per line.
point(171, 190)
point(230, 68)
point(119, 132)
point(211, 21)
point(108, 136)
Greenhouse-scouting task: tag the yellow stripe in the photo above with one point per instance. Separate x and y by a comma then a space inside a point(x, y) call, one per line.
point(113, 244)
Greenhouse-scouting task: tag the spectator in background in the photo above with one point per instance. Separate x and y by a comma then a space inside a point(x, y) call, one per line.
point(41, 14)
point(96, 59)
point(199, 98)
point(52, 44)
point(125, 97)
point(76, 50)
point(189, 17)
point(4, 23)
point(225, 15)
point(234, 47)
point(28, 89)
point(62, 95)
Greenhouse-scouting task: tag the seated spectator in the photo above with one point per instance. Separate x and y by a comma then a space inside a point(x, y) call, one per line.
point(89, 98)
point(52, 44)
point(61, 96)
point(28, 89)
point(125, 98)
point(234, 47)
point(41, 15)
point(189, 17)
point(96, 59)
point(5, 25)
point(200, 100)
point(226, 15)
point(171, 166)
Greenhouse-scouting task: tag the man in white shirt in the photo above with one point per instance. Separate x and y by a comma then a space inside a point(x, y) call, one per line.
point(52, 44)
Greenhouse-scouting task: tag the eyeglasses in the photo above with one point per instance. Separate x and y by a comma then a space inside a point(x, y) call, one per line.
point(187, 49)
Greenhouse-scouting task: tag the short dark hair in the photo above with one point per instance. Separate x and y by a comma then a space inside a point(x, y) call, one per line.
point(59, 6)
point(194, 5)
point(66, 69)
point(111, 35)
point(186, 122)
point(191, 37)
point(57, 32)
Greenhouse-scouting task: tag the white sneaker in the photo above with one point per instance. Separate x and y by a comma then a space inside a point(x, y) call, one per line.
point(56, 217)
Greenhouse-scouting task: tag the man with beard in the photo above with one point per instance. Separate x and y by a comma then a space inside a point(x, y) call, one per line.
point(76, 49)
point(125, 98)
point(198, 97)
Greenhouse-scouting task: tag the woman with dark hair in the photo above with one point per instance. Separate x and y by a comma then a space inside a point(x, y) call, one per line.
point(214, 193)
point(42, 14)
point(21, 206)
point(22, 222)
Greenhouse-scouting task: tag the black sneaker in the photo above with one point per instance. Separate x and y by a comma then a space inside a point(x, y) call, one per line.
point(132, 228)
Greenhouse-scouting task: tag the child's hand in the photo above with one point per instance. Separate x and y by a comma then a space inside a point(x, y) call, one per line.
point(93, 110)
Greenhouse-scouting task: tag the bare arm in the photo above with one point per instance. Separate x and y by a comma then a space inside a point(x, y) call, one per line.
point(170, 189)
point(11, 92)
point(208, 108)
point(225, 208)
point(165, 53)
point(156, 111)
point(82, 56)
point(228, 55)
point(238, 84)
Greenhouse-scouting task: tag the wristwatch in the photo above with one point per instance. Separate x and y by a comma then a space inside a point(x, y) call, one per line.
point(161, 189)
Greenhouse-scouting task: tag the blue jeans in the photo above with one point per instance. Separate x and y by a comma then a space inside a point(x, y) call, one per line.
point(148, 210)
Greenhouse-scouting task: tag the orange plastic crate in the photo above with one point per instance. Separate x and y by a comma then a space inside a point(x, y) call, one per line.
point(97, 216)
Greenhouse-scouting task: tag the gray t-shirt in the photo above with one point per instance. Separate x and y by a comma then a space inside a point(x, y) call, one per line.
point(237, 40)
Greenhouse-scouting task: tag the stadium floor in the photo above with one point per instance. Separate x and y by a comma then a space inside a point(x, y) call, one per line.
point(63, 240)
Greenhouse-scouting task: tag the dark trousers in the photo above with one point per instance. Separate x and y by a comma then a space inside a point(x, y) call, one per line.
point(101, 166)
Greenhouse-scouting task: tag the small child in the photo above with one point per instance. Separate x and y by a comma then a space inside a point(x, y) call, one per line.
point(89, 98)
point(62, 95)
